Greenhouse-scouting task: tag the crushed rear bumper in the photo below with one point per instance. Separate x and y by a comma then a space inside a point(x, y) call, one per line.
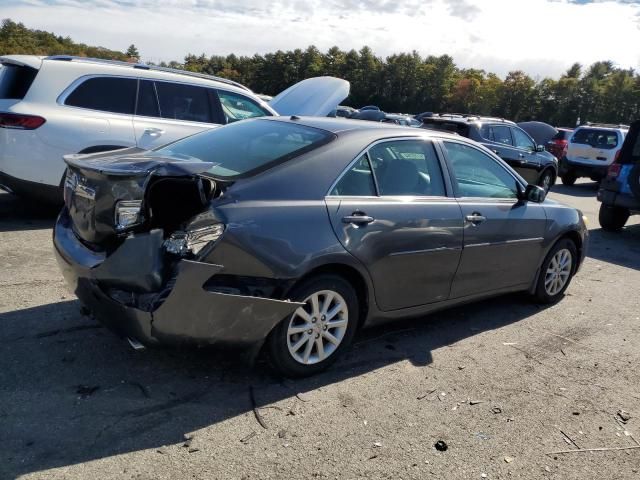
point(181, 311)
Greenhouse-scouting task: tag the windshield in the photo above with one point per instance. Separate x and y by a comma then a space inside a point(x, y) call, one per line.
point(247, 147)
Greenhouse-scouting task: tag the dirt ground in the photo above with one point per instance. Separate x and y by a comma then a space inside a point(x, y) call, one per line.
point(501, 382)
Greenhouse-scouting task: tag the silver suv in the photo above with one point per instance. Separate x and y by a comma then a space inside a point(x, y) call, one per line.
point(59, 105)
point(591, 150)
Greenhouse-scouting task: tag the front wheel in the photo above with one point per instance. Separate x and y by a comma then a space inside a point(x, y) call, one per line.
point(546, 180)
point(612, 219)
point(557, 271)
point(317, 333)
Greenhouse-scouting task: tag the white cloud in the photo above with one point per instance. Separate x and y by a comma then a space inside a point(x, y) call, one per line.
point(542, 37)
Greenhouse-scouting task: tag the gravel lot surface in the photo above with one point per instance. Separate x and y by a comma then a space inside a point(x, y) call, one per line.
point(501, 383)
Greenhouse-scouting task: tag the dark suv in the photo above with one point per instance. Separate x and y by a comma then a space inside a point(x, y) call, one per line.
point(620, 190)
point(505, 139)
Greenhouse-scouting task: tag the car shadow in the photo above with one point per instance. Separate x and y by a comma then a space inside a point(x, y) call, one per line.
point(583, 189)
point(72, 392)
point(620, 248)
point(17, 214)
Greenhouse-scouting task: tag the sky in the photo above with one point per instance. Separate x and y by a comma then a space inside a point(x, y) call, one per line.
point(541, 37)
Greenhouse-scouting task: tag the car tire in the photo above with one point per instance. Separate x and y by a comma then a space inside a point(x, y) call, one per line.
point(297, 353)
point(556, 272)
point(612, 218)
point(546, 180)
point(568, 178)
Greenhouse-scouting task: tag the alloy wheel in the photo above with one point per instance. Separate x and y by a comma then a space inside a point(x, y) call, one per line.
point(317, 328)
point(558, 272)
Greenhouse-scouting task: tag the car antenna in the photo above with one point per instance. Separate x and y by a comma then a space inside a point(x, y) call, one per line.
point(295, 117)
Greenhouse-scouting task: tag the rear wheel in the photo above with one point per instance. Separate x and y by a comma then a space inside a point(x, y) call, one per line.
point(317, 333)
point(569, 178)
point(611, 218)
point(557, 271)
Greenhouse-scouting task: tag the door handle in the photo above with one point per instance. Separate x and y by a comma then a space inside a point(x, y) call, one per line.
point(475, 218)
point(521, 155)
point(153, 132)
point(357, 218)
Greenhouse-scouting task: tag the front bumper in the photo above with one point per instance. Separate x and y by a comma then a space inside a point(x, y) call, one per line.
point(181, 311)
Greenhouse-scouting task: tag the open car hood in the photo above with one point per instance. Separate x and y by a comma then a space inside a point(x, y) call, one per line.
point(317, 96)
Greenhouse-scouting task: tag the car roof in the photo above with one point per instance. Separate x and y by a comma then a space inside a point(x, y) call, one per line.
point(36, 61)
point(604, 126)
point(338, 126)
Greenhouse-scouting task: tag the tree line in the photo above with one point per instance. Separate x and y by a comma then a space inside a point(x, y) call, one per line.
point(404, 82)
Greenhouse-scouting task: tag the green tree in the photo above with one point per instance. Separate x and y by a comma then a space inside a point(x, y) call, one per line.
point(132, 51)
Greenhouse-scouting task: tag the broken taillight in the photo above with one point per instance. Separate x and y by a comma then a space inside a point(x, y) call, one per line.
point(20, 122)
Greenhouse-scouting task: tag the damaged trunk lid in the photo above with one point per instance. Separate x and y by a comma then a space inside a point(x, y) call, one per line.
point(95, 184)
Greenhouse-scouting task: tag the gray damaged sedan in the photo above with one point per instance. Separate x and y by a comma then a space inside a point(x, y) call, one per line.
point(286, 235)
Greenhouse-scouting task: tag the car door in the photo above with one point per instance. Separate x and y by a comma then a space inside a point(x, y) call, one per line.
point(390, 210)
point(530, 160)
point(168, 111)
point(500, 142)
point(502, 235)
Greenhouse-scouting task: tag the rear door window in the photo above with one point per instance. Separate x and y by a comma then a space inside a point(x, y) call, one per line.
point(107, 94)
point(179, 101)
point(501, 134)
point(238, 107)
point(15, 81)
point(603, 139)
point(357, 181)
point(407, 167)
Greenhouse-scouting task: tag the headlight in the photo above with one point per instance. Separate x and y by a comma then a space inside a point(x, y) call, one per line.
point(128, 214)
point(193, 241)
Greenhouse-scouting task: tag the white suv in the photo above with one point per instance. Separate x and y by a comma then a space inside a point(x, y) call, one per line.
point(54, 106)
point(591, 149)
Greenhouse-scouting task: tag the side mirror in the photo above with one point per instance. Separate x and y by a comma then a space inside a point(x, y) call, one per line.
point(540, 148)
point(532, 193)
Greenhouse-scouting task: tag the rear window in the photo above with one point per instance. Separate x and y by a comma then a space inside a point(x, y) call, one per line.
point(107, 94)
point(248, 147)
point(15, 81)
point(603, 139)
